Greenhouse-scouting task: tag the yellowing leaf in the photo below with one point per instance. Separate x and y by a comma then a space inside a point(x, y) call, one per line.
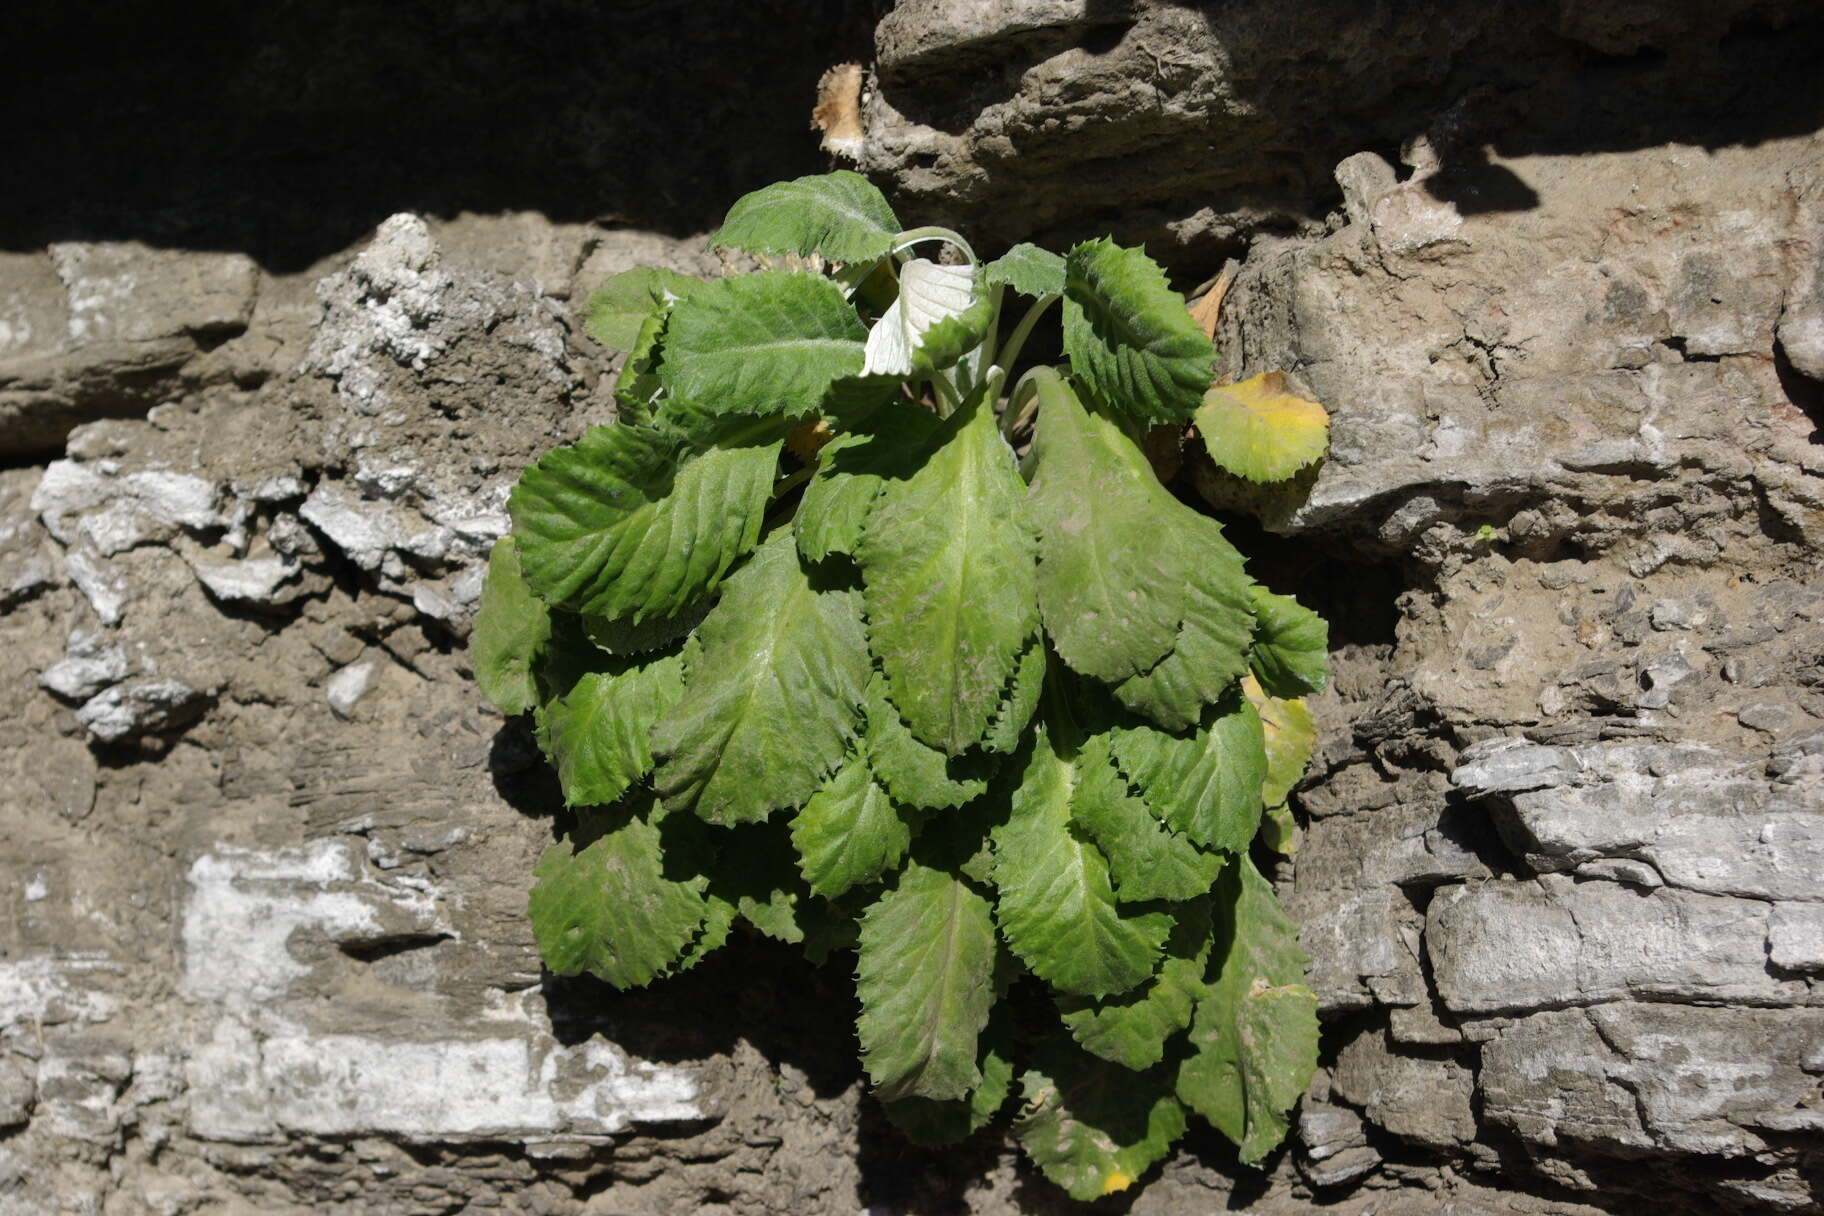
point(1261, 431)
point(1116, 1181)
point(1279, 831)
point(1290, 734)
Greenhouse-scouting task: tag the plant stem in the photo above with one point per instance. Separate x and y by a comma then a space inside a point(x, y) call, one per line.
point(947, 400)
point(785, 486)
point(1010, 350)
point(792, 481)
point(1021, 401)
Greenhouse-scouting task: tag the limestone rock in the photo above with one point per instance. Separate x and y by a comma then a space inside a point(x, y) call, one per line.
point(103, 329)
point(139, 707)
point(89, 665)
point(1427, 1100)
point(1663, 1080)
point(1702, 819)
point(1513, 946)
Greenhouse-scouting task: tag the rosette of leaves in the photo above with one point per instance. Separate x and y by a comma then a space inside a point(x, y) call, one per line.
point(1004, 728)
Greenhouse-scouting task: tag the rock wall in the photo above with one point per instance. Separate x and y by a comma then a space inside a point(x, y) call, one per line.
point(1555, 271)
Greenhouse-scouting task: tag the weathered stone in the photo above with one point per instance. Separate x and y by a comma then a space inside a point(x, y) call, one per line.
point(1364, 945)
point(1421, 1024)
point(348, 686)
point(64, 773)
point(1518, 946)
point(1795, 936)
point(260, 1069)
point(89, 665)
point(1334, 1146)
point(127, 292)
point(253, 580)
point(1704, 1081)
point(1414, 1097)
point(27, 562)
point(1703, 819)
point(101, 582)
point(1801, 329)
point(18, 1090)
point(139, 707)
point(95, 330)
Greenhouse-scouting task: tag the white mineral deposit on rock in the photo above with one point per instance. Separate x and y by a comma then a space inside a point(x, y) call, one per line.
point(346, 688)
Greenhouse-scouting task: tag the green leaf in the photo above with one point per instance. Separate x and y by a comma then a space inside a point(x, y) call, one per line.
point(620, 636)
point(597, 732)
point(1093, 1127)
point(839, 215)
point(925, 976)
point(1290, 736)
point(609, 908)
point(1111, 577)
point(1256, 1028)
point(939, 316)
point(931, 1123)
point(1131, 1029)
point(1029, 270)
point(756, 869)
point(851, 469)
point(567, 657)
point(1129, 336)
point(1261, 431)
point(511, 628)
point(771, 693)
point(1279, 831)
point(1145, 859)
point(828, 927)
point(718, 918)
point(1057, 908)
point(1291, 650)
point(697, 428)
point(914, 774)
point(849, 833)
point(1020, 701)
point(1205, 784)
point(614, 527)
point(638, 386)
point(620, 307)
point(851, 399)
point(1211, 649)
point(766, 343)
point(947, 560)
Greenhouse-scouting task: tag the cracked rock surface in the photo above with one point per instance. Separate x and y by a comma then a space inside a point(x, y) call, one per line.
point(1555, 271)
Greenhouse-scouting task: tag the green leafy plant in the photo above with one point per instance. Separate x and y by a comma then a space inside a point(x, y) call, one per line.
point(812, 649)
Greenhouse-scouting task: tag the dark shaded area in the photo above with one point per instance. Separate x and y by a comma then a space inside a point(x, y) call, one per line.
point(288, 130)
point(753, 990)
point(1805, 393)
point(1472, 185)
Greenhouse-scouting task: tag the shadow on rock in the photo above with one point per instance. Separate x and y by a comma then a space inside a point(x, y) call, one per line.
point(287, 132)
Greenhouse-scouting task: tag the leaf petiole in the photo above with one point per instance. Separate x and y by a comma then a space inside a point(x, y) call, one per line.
point(946, 394)
point(1023, 401)
point(1010, 350)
